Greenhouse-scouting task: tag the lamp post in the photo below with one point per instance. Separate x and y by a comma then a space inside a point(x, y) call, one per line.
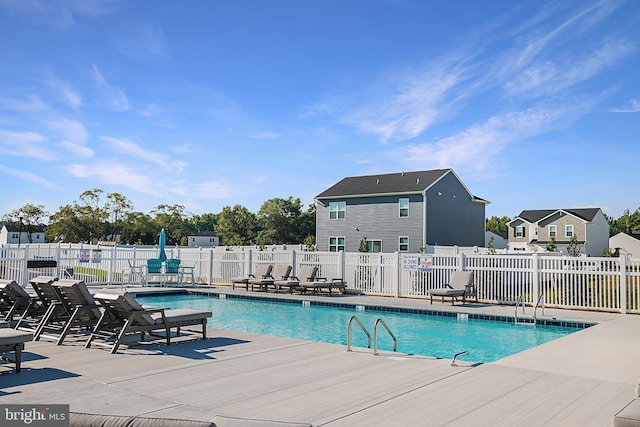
point(19, 231)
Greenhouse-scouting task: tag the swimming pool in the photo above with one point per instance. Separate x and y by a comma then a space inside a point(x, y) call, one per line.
point(423, 334)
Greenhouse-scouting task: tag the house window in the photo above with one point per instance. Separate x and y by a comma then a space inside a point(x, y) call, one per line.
point(404, 207)
point(14, 236)
point(403, 244)
point(336, 244)
point(519, 231)
point(337, 210)
point(553, 231)
point(568, 231)
point(374, 245)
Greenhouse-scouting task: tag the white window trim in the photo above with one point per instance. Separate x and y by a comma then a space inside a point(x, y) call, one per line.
point(337, 245)
point(337, 211)
point(566, 231)
point(521, 229)
point(370, 243)
point(400, 244)
point(400, 208)
point(553, 229)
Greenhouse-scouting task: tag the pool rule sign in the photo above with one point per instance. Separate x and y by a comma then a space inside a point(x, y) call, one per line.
point(417, 262)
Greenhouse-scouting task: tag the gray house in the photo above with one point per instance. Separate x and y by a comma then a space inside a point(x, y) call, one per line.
point(399, 212)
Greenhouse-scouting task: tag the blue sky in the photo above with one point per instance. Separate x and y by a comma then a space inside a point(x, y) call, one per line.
point(206, 104)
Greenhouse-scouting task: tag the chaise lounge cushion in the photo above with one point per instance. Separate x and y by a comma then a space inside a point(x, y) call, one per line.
point(77, 419)
point(9, 337)
point(629, 416)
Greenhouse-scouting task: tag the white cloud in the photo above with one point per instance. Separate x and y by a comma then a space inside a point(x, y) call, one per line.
point(60, 14)
point(115, 97)
point(265, 135)
point(115, 173)
point(32, 103)
point(65, 91)
point(632, 106)
point(25, 144)
point(476, 148)
point(27, 176)
point(132, 149)
point(141, 42)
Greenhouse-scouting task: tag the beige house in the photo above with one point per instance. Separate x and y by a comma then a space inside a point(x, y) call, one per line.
point(534, 230)
point(626, 244)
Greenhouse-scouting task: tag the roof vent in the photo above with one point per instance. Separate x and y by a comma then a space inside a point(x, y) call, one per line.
point(378, 181)
point(402, 174)
point(417, 180)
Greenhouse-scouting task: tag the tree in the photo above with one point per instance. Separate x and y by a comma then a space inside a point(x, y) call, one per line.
point(364, 245)
point(627, 223)
point(174, 221)
point(236, 226)
point(204, 222)
point(573, 249)
point(497, 224)
point(139, 229)
point(30, 215)
point(280, 221)
point(93, 213)
point(66, 226)
point(116, 208)
point(552, 246)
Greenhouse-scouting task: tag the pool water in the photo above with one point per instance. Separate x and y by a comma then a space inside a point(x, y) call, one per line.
point(428, 335)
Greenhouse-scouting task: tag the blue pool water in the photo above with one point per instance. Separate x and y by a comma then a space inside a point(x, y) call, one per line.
point(428, 335)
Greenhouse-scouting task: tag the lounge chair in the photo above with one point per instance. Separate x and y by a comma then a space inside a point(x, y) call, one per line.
point(48, 300)
point(12, 341)
point(317, 285)
point(15, 299)
point(280, 272)
point(132, 318)
point(460, 286)
point(77, 300)
point(305, 274)
point(262, 271)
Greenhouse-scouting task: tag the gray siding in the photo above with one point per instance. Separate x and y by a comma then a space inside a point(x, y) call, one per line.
point(453, 218)
point(376, 218)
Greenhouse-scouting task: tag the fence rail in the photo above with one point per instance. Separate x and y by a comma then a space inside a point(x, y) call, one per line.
point(587, 283)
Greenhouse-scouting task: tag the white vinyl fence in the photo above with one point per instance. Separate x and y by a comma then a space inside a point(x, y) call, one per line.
point(587, 283)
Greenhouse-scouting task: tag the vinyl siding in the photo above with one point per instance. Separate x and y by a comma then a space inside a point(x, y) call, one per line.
point(376, 218)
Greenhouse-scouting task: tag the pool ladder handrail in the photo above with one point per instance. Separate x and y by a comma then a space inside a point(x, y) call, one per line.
point(535, 308)
point(361, 327)
point(375, 336)
point(519, 302)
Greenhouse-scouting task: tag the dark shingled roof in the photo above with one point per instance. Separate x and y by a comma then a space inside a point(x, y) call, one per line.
point(391, 183)
point(534, 216)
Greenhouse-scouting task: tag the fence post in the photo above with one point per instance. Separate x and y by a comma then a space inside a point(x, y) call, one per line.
point(293, 262)
point(343, 260)
point(248, 263)
point(396, 290)
point(461, 262)
point(25, 271)
point(623, 284)
point(211, 258)
point(535, 279)
point(111, 265)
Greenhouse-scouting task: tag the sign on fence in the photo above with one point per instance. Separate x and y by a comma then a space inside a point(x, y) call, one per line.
point(426, 263)
point(410, 262)
point(84, 255)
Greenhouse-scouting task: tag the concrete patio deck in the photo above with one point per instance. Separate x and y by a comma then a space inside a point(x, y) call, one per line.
point(582, 379)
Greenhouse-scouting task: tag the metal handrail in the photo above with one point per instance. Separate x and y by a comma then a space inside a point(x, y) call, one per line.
point(518, 302)
point(535, 308)
point(361, 327)
point(453, 361)
point(375, 336)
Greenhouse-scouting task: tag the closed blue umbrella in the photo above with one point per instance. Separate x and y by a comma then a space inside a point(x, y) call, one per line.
point(163, 241)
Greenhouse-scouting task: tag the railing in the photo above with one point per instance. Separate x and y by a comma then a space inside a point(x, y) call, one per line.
point(355, 318)
point(535, 308)
point(375, 336)
point(590, 283)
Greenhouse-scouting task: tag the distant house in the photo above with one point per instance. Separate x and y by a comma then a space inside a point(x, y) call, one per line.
point(402, 212)
point(534, 230)
point(12, 234)
point(626, 244)
point(500, 240)
point(204, 239)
